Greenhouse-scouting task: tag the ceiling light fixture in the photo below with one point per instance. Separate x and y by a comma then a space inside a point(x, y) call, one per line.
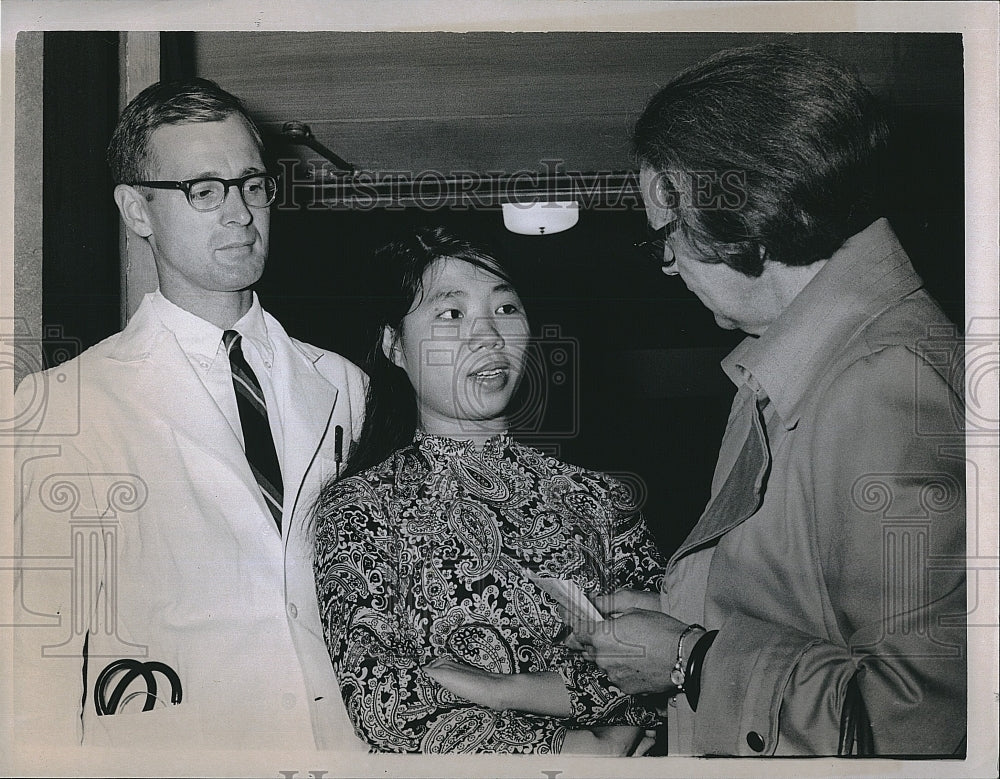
point(540, 218)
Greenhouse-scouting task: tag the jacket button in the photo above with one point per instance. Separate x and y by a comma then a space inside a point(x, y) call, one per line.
point(754, 741)
point(293, 612)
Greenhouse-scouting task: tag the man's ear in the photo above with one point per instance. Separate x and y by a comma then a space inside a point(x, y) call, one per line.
point(134, 208)
point(665, 193)
point(390, 346)
point(663, 189)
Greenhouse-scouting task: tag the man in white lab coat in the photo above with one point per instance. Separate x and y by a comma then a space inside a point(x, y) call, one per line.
point(162, 601)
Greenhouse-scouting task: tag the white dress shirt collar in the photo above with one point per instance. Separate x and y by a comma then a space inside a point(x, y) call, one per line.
point(201, 340)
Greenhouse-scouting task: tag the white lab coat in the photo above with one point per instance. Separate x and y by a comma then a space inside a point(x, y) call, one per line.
point(144, 534)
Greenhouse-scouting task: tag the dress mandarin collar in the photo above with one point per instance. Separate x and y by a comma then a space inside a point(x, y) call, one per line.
point(444, 447)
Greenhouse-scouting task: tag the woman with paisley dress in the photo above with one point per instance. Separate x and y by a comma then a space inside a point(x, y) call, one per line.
point(427, 550)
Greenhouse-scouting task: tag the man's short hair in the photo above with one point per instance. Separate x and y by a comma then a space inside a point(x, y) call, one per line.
point(164, 103)
point(767, 147)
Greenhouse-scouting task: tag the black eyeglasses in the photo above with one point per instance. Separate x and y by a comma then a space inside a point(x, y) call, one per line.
point(656, 243)
point(257, 190)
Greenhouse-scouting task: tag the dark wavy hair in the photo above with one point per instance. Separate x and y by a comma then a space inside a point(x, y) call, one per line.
point(795, 144)
point(396, 284)
point(165, 103)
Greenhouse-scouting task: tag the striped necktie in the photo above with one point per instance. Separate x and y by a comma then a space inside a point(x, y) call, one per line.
point(256, 431)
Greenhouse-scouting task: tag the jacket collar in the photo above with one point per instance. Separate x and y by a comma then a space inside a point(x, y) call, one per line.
point(141, 335)
point(308, 398)
point(866, 275)
point(146, 330)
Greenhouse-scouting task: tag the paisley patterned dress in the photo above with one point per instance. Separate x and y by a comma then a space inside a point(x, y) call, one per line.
point(425, 556)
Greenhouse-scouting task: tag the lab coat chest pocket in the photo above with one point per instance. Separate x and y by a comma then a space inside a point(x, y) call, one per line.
point(130, 728)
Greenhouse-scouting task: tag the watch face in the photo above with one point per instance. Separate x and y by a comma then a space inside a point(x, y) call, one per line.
point(677, 677)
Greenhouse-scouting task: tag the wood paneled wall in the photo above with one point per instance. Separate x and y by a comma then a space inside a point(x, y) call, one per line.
point(505, 101)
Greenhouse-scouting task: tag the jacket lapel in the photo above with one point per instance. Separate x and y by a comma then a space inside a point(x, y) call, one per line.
point(743, 489)
point(168, 389)
point(308, 400)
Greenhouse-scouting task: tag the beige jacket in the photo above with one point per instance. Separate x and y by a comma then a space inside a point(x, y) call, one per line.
point(843, 548)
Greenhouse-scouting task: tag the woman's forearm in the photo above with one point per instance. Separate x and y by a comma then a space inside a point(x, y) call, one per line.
point(541, 692)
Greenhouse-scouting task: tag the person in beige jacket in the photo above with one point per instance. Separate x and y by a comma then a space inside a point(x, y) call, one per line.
point(818, 606)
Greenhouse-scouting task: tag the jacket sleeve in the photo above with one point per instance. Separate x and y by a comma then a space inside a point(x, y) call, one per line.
point(393, 704)
point(888, 491)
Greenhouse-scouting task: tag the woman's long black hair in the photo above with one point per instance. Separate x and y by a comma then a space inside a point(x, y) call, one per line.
point(396, 284)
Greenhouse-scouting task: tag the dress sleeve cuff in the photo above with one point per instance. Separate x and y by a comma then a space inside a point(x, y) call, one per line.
point(594, 698)
point(582, 704)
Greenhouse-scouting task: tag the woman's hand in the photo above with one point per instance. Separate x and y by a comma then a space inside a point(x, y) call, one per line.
point(538, 693)
point(616, 740)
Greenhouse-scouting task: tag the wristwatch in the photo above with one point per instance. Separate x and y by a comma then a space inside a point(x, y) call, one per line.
point(678, 674)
